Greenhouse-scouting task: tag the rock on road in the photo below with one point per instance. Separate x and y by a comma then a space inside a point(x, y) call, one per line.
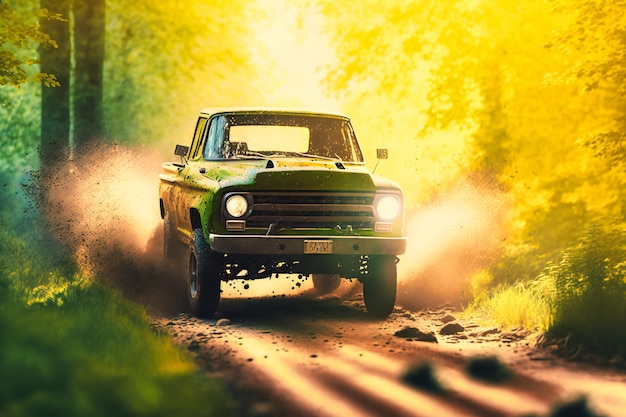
point(324, 356)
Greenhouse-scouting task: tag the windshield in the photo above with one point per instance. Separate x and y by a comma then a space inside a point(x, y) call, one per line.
point(275, 135)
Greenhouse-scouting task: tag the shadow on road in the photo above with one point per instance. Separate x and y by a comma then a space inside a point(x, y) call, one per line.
point(293, 309)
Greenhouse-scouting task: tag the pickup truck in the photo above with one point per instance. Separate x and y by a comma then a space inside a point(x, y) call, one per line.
point(264, 191)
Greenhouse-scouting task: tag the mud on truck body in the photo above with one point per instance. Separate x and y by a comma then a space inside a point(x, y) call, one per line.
point(261, 192)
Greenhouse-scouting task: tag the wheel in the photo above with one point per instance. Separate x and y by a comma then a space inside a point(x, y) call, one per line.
point(203, 276)
point(172, 248)
point(379, 285)
point(326, 283)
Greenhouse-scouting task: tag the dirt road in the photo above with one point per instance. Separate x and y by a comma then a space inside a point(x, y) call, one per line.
point(306, 355)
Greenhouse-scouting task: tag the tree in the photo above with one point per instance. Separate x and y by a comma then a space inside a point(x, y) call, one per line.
point(85, 115)
point(594, 41)
point(166, 60)
point(476, 72)
point(55, 102)
point(89, 37)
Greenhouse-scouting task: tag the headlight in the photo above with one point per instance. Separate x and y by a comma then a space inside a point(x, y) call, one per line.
point(388, 207)
point(236, 205)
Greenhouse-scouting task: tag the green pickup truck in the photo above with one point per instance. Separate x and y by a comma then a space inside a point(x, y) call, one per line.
point(266, 191)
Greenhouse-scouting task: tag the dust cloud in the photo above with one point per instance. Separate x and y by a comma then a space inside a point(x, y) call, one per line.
point(458, 233)
point(103, 206)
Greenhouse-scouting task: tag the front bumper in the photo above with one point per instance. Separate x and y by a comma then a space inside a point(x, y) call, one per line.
point(294, 245)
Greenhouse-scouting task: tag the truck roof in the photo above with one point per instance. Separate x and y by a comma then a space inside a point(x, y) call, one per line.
point(271, 110)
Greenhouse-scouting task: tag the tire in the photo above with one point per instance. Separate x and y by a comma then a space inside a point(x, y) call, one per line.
point(203, 276)
point(379, 285)
point(326, 283)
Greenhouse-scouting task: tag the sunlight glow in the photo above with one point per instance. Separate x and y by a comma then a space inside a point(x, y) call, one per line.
point(292, 38)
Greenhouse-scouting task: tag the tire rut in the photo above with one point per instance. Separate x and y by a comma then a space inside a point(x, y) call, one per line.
point(325, 357)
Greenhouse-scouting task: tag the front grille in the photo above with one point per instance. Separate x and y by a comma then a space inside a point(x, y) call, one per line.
point(312, 210)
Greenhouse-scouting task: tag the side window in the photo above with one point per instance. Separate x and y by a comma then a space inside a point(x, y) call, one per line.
point(213, 147)
point(197, 138)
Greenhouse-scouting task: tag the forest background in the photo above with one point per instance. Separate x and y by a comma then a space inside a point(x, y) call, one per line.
point(524, 101)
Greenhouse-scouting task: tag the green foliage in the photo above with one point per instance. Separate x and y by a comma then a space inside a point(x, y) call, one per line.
point(71, 347)
point(594, 38)
point(167, 60)
point(593, 43)
point(590, 284)
point(19, 131)
point(461, 86)
point(19, 39)
point(19, 107)
point(534, 92)
point(164, 61)
point(580, 297)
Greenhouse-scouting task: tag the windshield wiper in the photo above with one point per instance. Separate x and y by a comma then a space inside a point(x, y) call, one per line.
point(250, 155)
point(308, 155)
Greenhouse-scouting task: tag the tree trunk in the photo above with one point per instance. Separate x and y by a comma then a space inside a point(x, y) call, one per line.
point(55, 102)
point(89, 26)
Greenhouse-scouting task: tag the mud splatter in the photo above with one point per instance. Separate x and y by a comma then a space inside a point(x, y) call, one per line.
point(103, 206)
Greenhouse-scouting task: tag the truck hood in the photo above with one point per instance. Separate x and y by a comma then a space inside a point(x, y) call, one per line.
point(314, 179)
point(294, 173)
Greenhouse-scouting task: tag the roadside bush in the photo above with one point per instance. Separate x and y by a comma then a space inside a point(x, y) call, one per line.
point(582, 297)
point(590, 283)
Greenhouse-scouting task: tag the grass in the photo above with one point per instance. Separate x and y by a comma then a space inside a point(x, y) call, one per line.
point(522, 304)
point(73, 347)
point(581, 298)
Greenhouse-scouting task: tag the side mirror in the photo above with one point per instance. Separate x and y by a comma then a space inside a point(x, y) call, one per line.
point(382, 153)
point(181, 150)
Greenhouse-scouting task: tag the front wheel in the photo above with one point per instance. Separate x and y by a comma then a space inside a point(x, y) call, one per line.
point(203, 276)
point(379, 285)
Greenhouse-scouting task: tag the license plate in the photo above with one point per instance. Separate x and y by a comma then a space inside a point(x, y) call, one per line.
point(318, 246)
